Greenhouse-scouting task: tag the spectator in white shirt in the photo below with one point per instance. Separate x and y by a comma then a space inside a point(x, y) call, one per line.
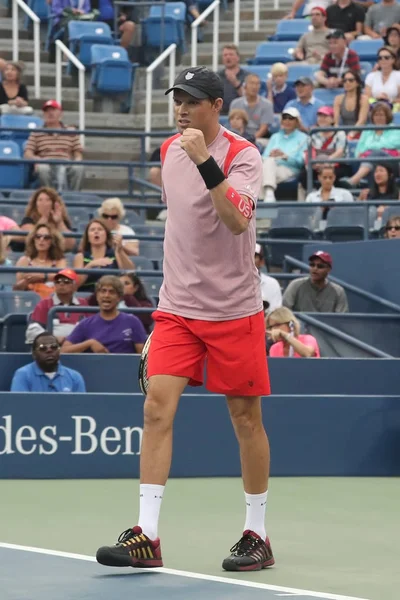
point(384, 84)
point(328, 192)
point(112, 211)
point(270, 289)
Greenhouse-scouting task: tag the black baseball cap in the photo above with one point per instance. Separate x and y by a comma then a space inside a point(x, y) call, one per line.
point(199, 82)
point(336, 34)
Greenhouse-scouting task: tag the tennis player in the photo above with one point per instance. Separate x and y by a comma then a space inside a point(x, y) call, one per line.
point(210, 313)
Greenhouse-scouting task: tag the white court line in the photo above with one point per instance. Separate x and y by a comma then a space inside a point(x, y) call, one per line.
point(188, 574)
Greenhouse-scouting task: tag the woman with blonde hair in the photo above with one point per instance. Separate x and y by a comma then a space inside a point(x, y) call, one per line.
point(283, 329)
point(47, 208)
point(13, 93)
point(112, 211)
point(44, 248)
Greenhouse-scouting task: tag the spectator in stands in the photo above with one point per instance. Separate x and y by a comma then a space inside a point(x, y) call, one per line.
point(347, 16)
point(278, 91)
point(42, 146)
point(7, 224)
point(110, 330)
point(392, 39)
point(316, 293)
point(305, 103)
point(112, 211)
point(392, 228)
point(328, 192)
point(313, 45)
point(325, 145)
point(270, 289)
point(46, 373)
point(383, 186)
point(384, 84)
point(155, 172)
point(65, 282)
point(259, 110)
point(283, 329)
point(381, 142)
point(308, 6)
point(352, 107)
point(47, 208)
point(4, 261)
point(13, 94)
point(44, 248)
point(339, 59)
point(284, 155)
point(380, 17)
point(125, 22)
point(232, 75)
point(238, 121)
point(99, 249)
point(2, 65)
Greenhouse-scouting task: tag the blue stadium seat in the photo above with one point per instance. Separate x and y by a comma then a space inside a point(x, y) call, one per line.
point(173, 33)
point(13, 333)
point(7, 280)
point(291, 30)
point(152, 250)
point(78, 215)
point(142, 229)
point(327, 96)
point(152, 285)
point(366, 69)
point(396, 118)
point(390, 211)
point(132, 218)
point(345, 223)
point(142, 263)
point(11, 176)
point(21, 121)
point(83, 35)
point(13, 211)
point(269, 53)
point(20, 194)
point(81, 197)
point(41, 8)
point(176, 10)
point(297, 71)
point(367, 49)
point(291, 224)
point(18, 302)
point(112, 71)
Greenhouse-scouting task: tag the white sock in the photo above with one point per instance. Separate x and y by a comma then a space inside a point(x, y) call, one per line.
point(150, 504)
point(256, 505)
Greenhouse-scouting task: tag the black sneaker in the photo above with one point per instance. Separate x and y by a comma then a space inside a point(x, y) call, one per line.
point(251, 553)
point(133, 549)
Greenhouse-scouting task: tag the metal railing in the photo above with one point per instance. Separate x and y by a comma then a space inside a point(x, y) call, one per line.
point(213, 8)
point(345, 160)
point(171, 53)
point(236, 22)
point(36, 39)
point(256, 15)
point(60, 50)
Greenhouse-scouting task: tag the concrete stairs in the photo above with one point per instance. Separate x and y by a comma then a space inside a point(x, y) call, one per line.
point(123, 149)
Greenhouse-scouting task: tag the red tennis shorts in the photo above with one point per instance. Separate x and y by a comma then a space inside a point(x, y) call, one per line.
point(233, 352)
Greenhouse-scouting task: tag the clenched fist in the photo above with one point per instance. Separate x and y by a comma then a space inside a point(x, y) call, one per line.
point(193, 143)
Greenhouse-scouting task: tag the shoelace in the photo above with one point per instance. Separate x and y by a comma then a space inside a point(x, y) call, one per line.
point(128, 535)
point(125, 535)
point(245, 545)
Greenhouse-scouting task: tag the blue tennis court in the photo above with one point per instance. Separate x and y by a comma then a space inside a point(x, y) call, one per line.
point(36, 574)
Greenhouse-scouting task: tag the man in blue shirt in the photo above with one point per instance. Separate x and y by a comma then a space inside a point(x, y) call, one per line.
point(306, 103)
point(46, 374)
point(284, 155)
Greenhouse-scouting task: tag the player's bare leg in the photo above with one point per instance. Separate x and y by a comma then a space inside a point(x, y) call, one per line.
point(253, 551)
point(140, 546)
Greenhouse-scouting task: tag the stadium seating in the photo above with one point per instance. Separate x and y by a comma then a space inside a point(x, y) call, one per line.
point(176, 10)
point(166, 24)
point(142, 229)
point(83, 35)
point(269, 53)
point(11, 176)
point(153, 251)
point(13, 333)
point(142, 263)
point(327, 96)
point(345, 223)
point(366, 69)
point(291, 30)
point(367, 50)
point(112, 71)
point(41, 8)
point(17, 302)
point(21, 121)
point(153, 285)
point(13, 211)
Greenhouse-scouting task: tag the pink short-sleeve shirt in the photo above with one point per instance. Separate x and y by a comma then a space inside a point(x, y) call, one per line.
point(276, 349)
point(6, 223)
point(209, 273)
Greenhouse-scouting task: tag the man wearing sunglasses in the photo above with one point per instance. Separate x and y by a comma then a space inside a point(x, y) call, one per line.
point(46, 373)
point(65, 283)
point(316, 293)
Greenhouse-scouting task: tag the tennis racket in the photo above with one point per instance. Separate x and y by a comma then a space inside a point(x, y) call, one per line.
point(142, 375)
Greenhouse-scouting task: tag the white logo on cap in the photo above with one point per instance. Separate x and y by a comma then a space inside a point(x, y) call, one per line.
point(189, 76)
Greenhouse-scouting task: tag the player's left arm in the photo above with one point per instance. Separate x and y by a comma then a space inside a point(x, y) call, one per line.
point(235, 209)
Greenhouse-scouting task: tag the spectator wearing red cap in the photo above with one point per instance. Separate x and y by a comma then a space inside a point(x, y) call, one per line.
point(347, 16)
point(325, 145)
point(316, 293)
point(308, 7)
point(313, 45)
point(42, 146)
point(65, 284)
point(339, 59)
